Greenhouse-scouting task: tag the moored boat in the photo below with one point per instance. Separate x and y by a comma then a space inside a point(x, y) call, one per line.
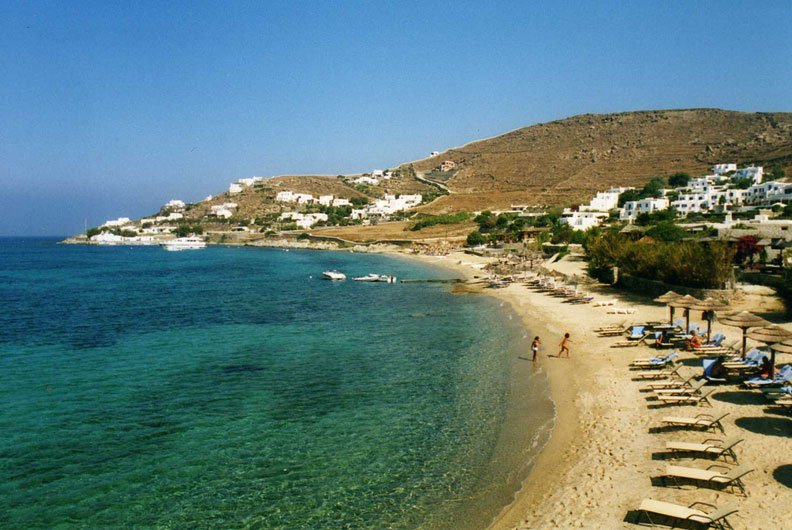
point(184, 243)
point(334, 275)
point(376, 278)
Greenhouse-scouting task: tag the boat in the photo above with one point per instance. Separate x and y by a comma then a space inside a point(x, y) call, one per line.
point(376, 278)
point(334, 275)
point(184, 243)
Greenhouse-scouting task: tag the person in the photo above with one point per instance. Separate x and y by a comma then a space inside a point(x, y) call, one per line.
point(535, 347)
point(564, 345)
point(765, 369)
point(694, 341)
point(662, 338)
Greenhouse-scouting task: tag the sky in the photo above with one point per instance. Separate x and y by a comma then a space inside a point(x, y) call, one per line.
point(111, 109)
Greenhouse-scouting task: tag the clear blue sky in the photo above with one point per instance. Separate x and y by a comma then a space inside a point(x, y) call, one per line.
point(111, 109)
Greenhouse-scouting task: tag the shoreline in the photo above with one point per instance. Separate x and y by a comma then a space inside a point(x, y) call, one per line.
point(605, 448)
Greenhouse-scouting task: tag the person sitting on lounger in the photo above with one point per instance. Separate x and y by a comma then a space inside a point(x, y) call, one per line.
point(662, 338)
point(694, 341)
point(765, 371)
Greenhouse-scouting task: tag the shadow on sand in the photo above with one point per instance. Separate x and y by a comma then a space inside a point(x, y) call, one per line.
point(738, 397)
point(783, 474)
point(767, 426)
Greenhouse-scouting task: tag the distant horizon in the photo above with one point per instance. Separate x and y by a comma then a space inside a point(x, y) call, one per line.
point(111, 110)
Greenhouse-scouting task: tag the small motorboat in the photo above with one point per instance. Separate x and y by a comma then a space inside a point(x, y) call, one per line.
point(184, 243)
point(376, 278)
point(334, 275)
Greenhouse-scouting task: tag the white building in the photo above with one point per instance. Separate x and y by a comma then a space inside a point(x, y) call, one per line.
point(340, 202)
point(173, 216)
point(234, 188)
point(303, 198)
point(447, 165)
point(602, 202)
point(325, 200)
point(632, 209)
point(365, 179)
point(434, 153)
point(284, 196)
point(582, 220)
point(303, 220)
point(754, 173)
point(768, 193)
point(225, 210)
point(121, 221)
point(377, 174)
point(720, 169)
point(175, 204)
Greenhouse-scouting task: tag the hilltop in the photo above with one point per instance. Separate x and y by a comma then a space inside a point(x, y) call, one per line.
point(566, 161)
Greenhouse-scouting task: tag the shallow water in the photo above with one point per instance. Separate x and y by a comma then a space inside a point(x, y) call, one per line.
point(233, 387)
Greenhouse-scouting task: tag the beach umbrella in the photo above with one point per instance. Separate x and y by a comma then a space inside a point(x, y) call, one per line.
point(665, 299)
point(709, 306)
point(685, 302)
point(743, 320)
point(773, 335)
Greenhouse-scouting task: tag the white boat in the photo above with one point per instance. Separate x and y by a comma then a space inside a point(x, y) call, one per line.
point(184, 243)
point(376, 278)
point(334, 275)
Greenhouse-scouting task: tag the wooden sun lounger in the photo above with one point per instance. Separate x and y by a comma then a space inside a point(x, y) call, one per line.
point(621, 311)
point(692, 390)
point(661, 374)
point(630, 343)
point(732, 478)
point(709, 447)
point(676, 383)
point(699, 399)
point(715, 518)
point(699, 421)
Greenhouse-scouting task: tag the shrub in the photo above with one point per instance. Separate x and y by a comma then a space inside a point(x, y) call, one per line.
point(475, 238)
point(447, 219)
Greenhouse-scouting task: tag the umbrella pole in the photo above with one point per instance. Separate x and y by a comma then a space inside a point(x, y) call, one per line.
point(772, 362)
point(745, 337)
point(687, 321)
point(709, 328)
point(671, 319)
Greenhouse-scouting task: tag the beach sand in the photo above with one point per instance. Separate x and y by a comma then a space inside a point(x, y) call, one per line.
point(605, 446)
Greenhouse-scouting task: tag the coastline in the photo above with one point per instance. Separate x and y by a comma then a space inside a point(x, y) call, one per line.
point(605, 448)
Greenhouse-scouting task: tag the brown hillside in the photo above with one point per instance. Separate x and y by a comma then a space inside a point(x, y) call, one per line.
point(567, 161)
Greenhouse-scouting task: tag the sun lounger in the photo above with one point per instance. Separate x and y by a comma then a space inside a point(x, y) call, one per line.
point(692, 390)
point(676, 383)
point(621, 311)
point(698, 399)
point(716, 518)
point(731, 478)
point(699, 421)
point(785, 402)
point(604, 303)
point(709, 447)
point(776, 393)
point(783, 377)
point(655, 362)
point(661, 374)
point(630, 343)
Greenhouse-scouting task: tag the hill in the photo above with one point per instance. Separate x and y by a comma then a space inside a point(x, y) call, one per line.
point(566, 161)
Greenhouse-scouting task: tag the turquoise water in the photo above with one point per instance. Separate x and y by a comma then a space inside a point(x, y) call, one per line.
point(232, 388)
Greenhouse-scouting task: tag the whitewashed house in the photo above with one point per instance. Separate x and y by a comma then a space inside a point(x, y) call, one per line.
point(377, 174)
point(447, 165)
point(175, 204)
point(720, 169)
point(632, 209)
point(754, 174)
point(768, 193)
point(340, 202)
point(234, 188)
point(121, 221)
point(284, 196)
point(303, 198)
point(325, 200)
point(582, 220)
point(602, 202)
point(173, 216)
point(365, 179)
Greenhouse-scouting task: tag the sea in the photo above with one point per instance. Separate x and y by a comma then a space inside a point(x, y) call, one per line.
point(233, 387)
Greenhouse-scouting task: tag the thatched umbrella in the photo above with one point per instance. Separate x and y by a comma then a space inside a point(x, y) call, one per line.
point(685, 302)
point(665, 299)
point(773, 336)
point(743, 320)
point(709, 306)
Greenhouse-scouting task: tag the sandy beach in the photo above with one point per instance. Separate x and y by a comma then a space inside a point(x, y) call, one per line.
point(607, 445)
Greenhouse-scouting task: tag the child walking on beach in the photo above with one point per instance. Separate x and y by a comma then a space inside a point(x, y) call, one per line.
point(564, 345)
point(535, 347)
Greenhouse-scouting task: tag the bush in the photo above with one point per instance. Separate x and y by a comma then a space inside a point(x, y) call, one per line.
point(95, 231)
point(475, 239)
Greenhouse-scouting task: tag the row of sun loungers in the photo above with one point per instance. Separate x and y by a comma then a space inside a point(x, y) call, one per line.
point(669, 386)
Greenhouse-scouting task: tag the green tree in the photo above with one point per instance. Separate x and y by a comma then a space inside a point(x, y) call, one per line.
point(678, 180)
point(777, 172)
point(93, 231)
point(666, 231)
point(475, 238)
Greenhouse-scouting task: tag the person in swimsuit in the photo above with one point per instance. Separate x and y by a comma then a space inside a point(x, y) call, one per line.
point(535, 347)
point(564, 345)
